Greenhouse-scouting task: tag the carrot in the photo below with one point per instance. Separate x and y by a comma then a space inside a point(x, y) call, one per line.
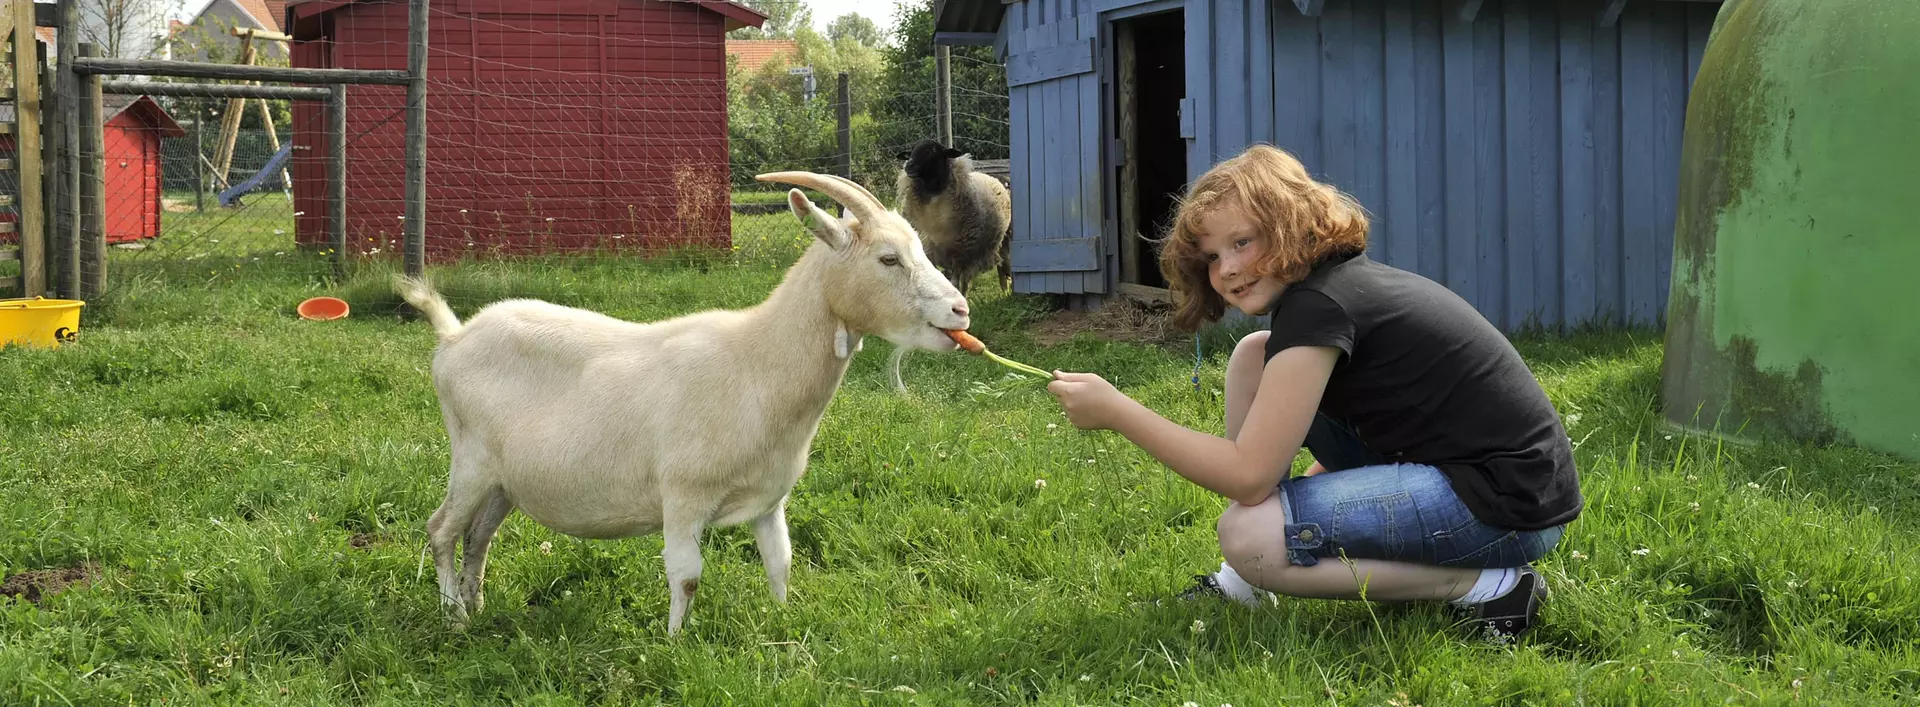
point(973, 345)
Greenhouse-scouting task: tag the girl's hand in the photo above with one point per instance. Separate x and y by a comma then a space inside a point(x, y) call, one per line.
point(1091, 403)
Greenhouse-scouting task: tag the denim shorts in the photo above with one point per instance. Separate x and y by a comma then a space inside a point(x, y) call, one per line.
point(1364, 508)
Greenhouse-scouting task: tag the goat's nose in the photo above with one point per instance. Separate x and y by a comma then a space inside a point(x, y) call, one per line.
point(960, 309)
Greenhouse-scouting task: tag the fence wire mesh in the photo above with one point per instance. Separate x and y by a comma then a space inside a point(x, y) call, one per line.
point(564, 150)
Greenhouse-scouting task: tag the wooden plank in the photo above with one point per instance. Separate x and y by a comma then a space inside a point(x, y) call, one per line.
point(1200, 86)
point(1091, 181)
point(1310, 8)
point(1462, 184)
point(1369, 181)
point(1669, 80)
point(1489, 138)
point(1337, 83)
point(1260, 71)
point(1402, 160)
point(1639, 191)
point(1576, 151)
point(1521, 230)
point(1608, 305)
point(1126, 127)
point(1054, 217)
point(1231, 75)
point(29, 150)
point(1057, 255)
point(1297, 95)
point(1144, 293)
point(1544, 175)
point(1022, 154)
point(1430, 142)
point(1062, 60)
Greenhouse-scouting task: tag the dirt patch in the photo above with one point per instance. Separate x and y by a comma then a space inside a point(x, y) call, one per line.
point(34, 585)
point(1122, 319)
point(362, 541)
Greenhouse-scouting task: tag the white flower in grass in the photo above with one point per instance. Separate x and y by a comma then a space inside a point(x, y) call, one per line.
point(1052, 426)
point(546, 548)
point(1199, 626)
point(1085, 677)
point(1578, 555)
point(1039, 483)
point(1189, 703)
point(1642, 552)
point(1695, 506)
point(1753, 485)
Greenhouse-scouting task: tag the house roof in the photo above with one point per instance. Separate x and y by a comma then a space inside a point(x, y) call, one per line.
point(737, 15)
point(755, 52)
point(268, 14)
point(113, 104)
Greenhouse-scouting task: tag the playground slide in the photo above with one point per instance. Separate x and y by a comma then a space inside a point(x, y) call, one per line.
point(232, 194)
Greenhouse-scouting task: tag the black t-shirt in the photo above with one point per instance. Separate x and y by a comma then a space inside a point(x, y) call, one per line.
point(1424, 378)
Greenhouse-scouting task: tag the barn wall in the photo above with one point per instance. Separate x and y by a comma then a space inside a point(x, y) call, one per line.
point(1528, 160)
point(604, 126)
point(132, 179)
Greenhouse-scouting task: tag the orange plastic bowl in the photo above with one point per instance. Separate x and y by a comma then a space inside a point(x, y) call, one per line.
point(323, 308)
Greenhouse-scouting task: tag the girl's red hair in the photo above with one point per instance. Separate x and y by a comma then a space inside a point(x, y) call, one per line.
point(1300, 222)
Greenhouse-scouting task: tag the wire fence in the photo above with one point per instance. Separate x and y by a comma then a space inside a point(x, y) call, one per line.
point(559, 147)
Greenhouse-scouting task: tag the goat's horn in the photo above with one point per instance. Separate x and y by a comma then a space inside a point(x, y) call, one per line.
point(845, 191)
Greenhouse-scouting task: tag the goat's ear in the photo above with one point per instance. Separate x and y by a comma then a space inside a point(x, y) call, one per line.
point(823, 225)
point(953, 152)
point(902, 155)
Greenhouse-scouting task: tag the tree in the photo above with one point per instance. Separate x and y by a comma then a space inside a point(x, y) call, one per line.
point(855, 27)
point(785, 18)
point(903, 113)
point(132, 29)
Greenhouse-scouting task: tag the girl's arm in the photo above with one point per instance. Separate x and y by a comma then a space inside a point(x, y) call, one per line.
point(1246, 469)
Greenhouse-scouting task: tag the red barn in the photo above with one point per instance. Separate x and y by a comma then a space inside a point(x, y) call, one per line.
point(132, 131)
point(553, 125)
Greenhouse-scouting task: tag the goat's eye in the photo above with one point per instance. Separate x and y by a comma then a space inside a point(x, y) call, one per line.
point(890, 260)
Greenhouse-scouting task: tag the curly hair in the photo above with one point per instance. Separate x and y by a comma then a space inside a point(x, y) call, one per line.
point(1300, 222)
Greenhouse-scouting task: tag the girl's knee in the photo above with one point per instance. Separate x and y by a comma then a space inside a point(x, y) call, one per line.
point(1253, 536)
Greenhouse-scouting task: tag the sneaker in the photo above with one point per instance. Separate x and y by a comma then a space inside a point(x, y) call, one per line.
point(1204, 587)
point(1506, 617)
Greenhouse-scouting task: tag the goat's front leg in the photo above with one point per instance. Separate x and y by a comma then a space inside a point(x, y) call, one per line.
point(775, 550)
point(681, 529)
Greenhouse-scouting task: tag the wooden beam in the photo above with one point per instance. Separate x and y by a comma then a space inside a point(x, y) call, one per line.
point(1145, 293)
point(215, 90)
point(204, 70)
point(27, 57)
point(1610, 13)
point(261, 34)
point(93, 184)
point(1466, 10)
point(1310, 8)
point(978, 39)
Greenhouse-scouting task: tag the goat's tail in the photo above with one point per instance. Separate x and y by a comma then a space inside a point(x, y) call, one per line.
point(422, 296)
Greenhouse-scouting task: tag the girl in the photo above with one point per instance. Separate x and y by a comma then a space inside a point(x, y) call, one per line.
point(1441, 470)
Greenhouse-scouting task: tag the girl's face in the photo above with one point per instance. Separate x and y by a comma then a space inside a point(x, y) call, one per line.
point(1232, 245)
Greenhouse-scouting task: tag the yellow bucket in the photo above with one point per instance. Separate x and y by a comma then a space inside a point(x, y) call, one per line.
point(39, 321)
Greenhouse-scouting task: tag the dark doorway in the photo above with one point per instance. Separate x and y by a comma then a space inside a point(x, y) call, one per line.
point(1150, 58)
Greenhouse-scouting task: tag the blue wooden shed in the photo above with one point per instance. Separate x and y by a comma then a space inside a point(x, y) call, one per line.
point(1525, 153)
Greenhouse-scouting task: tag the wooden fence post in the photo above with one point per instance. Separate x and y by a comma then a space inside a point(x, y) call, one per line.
point(415, 232)
point(943, 92)
point(337, 179)
point(67, 34)
point(28, 57)
point(93, 184)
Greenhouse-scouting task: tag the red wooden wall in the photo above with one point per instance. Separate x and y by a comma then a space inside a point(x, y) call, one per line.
point(577, 124)
point(133, 179)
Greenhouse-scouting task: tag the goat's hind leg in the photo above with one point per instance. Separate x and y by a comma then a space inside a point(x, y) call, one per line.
point(465, 496)
point(473, 566)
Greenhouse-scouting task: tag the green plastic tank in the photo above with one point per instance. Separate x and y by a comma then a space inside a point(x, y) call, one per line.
point(1794, 309)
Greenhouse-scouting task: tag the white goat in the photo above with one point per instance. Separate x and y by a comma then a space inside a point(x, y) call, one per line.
point(598, 427)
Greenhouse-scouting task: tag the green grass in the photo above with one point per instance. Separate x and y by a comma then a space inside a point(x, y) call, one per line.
point(253, 489)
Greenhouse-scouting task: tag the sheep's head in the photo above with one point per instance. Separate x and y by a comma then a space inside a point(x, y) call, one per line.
point(877, 278)
point(928, 164)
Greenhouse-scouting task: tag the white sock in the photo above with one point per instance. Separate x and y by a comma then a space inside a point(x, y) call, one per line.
point(1492, 584)
point(1235, 587)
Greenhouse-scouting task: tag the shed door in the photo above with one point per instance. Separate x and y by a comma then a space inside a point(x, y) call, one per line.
point(1054, 109)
